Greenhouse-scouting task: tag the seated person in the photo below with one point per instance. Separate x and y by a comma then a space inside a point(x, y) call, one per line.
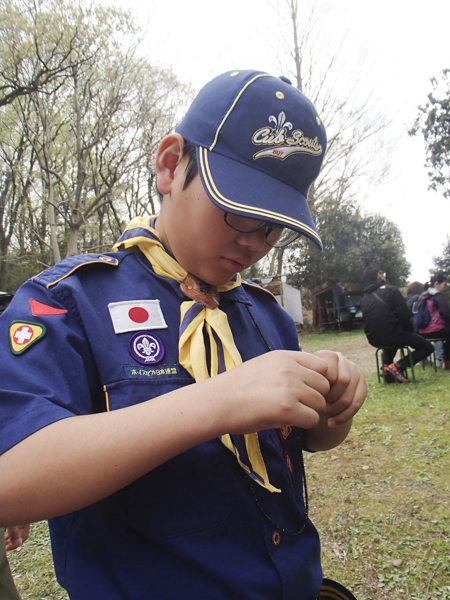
point(387, 324)
point(439, 325)
point(413, 292)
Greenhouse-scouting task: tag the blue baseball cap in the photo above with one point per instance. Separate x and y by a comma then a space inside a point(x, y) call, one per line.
point(260, 145)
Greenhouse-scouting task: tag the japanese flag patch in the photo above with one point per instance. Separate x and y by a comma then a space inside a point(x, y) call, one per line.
point(23, 334)
point(136, 315)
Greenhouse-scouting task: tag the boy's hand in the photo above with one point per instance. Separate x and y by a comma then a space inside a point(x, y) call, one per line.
point(274, 389)
point(16, 535)
point(348, 388)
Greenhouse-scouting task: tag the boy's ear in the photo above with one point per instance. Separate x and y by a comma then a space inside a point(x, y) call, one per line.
point(168, 157)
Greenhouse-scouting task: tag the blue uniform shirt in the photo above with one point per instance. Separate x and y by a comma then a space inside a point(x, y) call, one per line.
point(190, 528)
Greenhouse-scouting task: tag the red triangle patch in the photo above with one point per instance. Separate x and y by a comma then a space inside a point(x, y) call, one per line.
point(39, 309)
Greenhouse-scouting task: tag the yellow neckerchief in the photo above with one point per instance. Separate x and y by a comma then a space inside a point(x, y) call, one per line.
point(191, 345)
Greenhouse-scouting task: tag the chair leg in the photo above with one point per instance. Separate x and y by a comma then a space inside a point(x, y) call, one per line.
point(378, 365)
point(402, 355)
point(413, 377)
point(404, 351)
point(434, 351)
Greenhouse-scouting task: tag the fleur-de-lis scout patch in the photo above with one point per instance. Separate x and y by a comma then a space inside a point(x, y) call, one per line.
point(146, 348)
point(23, 334)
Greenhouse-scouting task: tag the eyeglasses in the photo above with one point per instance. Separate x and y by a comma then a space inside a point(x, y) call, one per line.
point(276, 236)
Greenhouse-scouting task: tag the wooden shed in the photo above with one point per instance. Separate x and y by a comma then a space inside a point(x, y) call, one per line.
point(337, 305)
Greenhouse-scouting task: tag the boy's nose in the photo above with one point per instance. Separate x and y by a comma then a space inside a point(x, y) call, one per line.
point(256, 240)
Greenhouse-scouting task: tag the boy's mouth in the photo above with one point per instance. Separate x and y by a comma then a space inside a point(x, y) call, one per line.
point(236, 266)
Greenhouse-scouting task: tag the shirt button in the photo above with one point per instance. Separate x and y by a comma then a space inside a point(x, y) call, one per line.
point(276, 538)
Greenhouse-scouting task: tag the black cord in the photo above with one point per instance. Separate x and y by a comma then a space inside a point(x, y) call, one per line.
point(305, 488)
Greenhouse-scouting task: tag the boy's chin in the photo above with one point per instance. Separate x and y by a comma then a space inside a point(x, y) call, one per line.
point(219, 282)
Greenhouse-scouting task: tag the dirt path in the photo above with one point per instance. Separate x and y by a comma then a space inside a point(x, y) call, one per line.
point(353, 344)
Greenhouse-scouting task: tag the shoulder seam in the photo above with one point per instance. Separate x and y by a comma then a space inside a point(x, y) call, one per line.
point(258, 287)
point(42, 277)
point(91, 262)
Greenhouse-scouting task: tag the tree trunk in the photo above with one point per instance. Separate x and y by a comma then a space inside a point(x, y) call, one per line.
point(72, 242)
point(51, 221)
point(253, 272)
point(3, 270)
point(101, 213)
point(280, 255)
point(49, 184)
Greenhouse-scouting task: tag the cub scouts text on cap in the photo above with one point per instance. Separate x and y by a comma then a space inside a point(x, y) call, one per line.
point(136, 315)
point(260, 146)
point(23, 334)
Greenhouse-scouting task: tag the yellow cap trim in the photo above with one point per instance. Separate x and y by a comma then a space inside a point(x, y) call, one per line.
point(227, 203)
point(234, 104)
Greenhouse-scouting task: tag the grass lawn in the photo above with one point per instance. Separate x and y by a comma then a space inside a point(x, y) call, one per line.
point(380, 500)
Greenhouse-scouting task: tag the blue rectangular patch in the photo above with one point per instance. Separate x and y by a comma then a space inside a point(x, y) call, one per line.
point(161, 371)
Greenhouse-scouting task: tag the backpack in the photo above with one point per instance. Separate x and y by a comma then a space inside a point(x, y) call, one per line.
point(421, 314)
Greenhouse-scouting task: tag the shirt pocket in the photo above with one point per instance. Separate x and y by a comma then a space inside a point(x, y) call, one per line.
point(145, 385)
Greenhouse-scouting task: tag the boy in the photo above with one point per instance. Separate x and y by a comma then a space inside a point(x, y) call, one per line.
point(133, 428)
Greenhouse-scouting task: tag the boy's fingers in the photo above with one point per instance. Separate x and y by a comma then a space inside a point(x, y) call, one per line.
point(339, 373)
point(305, 379)
point(24, 532)
point(348, 388)
point(314, 373)
point(345, 414)
point(331, 359)
point(15, 535)
point(313, 362)
point(13, 538)
point(305, 417)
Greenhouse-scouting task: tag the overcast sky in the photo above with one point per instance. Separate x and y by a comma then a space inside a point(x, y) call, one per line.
point(403, 43)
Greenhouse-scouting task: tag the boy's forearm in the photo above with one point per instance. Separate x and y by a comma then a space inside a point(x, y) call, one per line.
point(323, 438)
point(75, 462)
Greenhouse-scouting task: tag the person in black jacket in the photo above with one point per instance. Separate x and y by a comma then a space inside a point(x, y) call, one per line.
point(387, 324)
